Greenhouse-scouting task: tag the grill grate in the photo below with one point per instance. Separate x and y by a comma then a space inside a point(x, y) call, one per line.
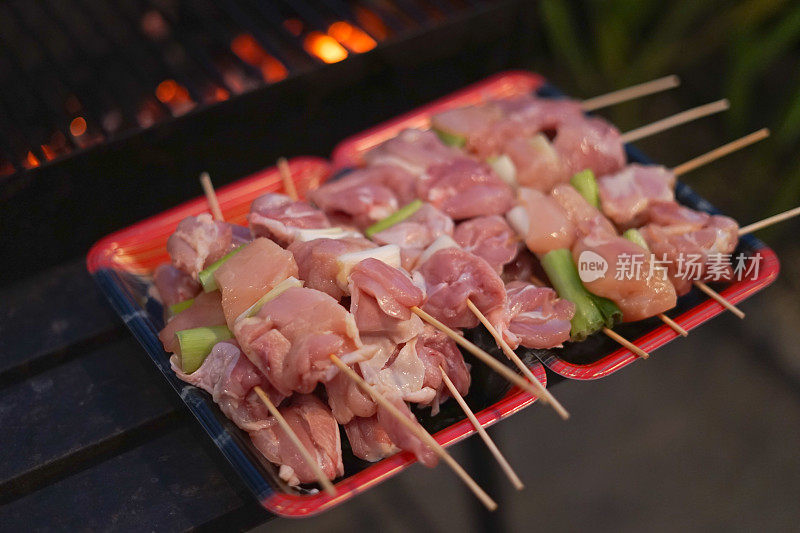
point(76, 73)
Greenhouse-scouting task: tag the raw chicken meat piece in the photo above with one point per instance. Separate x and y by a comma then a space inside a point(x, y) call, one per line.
point(412, 150)
point(293, 336)
point(490, 238)
point(366, 195)
point(318, 265)
point(626, 196)
point(313, 423)
point(250, 274)
point(276, 216)
point(451, 277)
point(199, 241)
point(464, 188)
point(534, 317)
point(174, 285)
point(368, 439)
point(206, 310)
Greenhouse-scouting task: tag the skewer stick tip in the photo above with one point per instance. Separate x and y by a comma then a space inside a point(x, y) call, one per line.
point(211, 196)
point(769, 221)
point(720, 151)
point(631, 93)
point(625, 342)
point(541, 391)
point(673, 325)
point(714, 295)
point(501, 460)
point(326, 484)
point(420, 433)
point(286, 177)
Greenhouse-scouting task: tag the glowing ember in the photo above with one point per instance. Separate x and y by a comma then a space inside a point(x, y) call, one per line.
point(372, 23)
point(353, 37)
point(77, 127)
point(6, 168)
point(324, 47)
point(30, 161)
point(49, 154)
point(175, 96)
point(247, 48)
point(220, 94)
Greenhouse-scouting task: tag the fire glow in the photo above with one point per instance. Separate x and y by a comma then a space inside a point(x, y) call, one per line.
point(353, 37)
point(248, 50)
point(324, 47)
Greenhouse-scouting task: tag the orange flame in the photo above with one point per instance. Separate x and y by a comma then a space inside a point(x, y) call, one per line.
point(324, 47)
point(353, 37)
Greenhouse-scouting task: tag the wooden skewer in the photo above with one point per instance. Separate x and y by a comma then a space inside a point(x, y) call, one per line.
point(630, 93)
point(310, 461)
point(421, 434)
point(494, 364)
point(674, 325)
point(286, 176)
point(211, 196)
point(714, 295)
point(675, 120)
point(625, 342)
point(313, 183)
point(541, 391)
point(722, 151)
point(501, 460)
point(774, 219)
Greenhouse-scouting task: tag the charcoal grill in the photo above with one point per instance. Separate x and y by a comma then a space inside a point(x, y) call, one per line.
point(110, 109)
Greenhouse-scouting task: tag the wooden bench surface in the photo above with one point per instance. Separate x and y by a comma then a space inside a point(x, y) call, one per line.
point(93, 437)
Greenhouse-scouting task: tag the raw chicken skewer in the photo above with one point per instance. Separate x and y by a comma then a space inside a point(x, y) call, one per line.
point(511, 354)
point(423, 435)
point(326, 484)
point(634, 194)
point(323, 480)
point(501, 460)
point(630, 93)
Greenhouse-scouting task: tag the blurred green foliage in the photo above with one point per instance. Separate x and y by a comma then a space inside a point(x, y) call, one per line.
point(746, 50)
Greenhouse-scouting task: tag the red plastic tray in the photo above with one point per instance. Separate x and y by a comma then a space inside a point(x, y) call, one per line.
point(123, 262)
point(349, 153)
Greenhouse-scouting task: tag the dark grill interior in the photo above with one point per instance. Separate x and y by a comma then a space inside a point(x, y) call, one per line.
point(111, 109)
point(80, 72)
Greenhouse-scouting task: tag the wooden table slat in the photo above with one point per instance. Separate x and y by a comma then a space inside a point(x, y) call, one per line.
point(86, 402)
point(53, 312)
point(171, 483)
